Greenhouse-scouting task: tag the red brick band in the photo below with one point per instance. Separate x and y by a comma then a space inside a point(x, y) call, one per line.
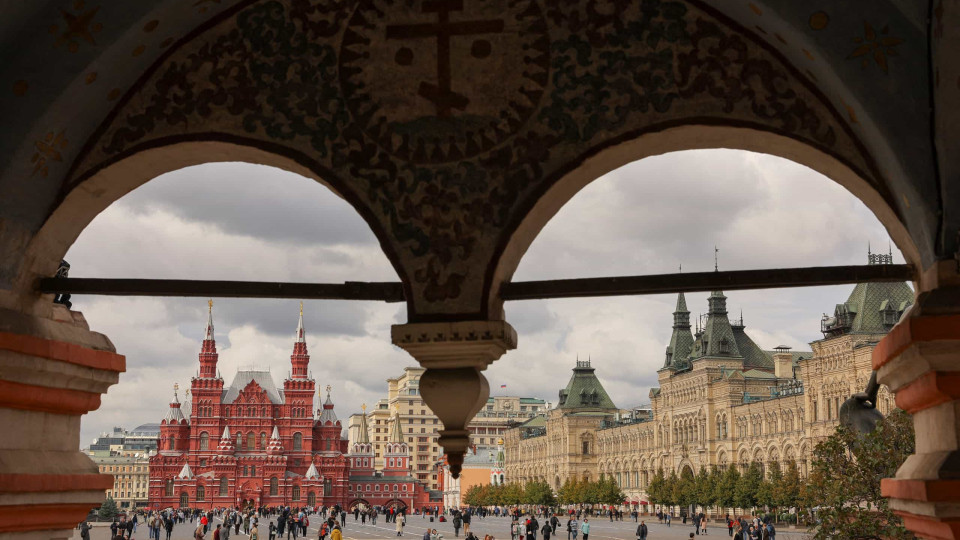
point(39, 517)
point(929, 390)
point(912, 330)
point(30, 397)
point(62, 351)
point(920, 490)
point(46, 483)
point(930, 527)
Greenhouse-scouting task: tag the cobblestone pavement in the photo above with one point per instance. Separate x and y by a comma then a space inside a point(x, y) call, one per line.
point(601, 529)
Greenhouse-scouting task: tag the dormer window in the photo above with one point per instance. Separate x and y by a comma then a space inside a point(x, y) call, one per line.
point(724, 346)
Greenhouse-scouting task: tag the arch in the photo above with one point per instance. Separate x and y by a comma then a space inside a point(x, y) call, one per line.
point(223, 486)
point(251, 441)
point(658, 140)
point(274, 486)
point(295, 493)
point(204, 440)
point(297, 441)
point(100, 187)
point(184, 500)
point(311, 498)
point(201, 492)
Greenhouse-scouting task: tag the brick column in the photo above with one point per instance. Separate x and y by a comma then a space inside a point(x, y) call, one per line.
point(920, 361)
point(454, 354)
point(52, 371)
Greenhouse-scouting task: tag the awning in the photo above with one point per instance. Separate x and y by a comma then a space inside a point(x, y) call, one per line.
point(644, 502)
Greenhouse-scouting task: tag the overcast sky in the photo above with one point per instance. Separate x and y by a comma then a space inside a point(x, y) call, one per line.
point(246, 222)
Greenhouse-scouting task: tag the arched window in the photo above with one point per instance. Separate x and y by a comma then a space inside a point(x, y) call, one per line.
point(311, 499)
point(297, 441)
point(274, 486)
point(239, 441)
point(223, 486)
point(169, 490)
point(245, 470)
point(391, 462)
point(253, 470)
point(204, 441)
point(263, 440)
point(226, 411)
point(171, 442)
point(201, 493)
point(184, 500)
point(251, 441)
point(296, 493)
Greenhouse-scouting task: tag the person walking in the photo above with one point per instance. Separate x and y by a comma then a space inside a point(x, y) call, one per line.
point(198, 534)
point(547, 530)
point(398, 519)
point(642, 531)
point(254, 532)
point(457, 523)
point(585, 528)
point(336, 533)
point(573, 527)
point(466, 522)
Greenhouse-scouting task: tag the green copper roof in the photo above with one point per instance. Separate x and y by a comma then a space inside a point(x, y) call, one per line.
point(753, 355)
point(584, 391)
point(872, 308)
point(681, 340)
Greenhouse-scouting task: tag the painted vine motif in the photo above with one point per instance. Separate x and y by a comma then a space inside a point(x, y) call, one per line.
point(443, 117)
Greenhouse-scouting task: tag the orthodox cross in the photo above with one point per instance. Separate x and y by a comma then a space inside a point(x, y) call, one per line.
point(441, 94)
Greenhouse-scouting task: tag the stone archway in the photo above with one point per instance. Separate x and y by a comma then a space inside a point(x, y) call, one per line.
point(552, 96)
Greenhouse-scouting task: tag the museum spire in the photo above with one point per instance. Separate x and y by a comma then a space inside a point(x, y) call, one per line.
point(300, 359)
point(208, 351)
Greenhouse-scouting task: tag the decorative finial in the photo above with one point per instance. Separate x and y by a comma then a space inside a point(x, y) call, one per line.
point(716, 267)
point(363, 407)
point(301, 308)
point(329, 388)
point(210, 305)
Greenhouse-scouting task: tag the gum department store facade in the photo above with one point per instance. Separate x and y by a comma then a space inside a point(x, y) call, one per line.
point(722, 400)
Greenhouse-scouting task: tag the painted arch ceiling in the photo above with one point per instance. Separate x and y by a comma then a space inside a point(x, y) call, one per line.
point(442, 121)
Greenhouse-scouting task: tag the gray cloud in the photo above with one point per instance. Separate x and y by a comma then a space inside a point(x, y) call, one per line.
point(235, 221)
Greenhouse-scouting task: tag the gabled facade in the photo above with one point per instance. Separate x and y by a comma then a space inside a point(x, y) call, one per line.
point(253, 444)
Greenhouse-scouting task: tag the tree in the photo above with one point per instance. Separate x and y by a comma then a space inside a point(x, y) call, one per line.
point(704, 483)
point(845, 481)
point(539, 493)
point(787, 494)
point(656, 489)
point(673, 489)
point(608, 492)
point(745, 494)
point(726, 490)
point(512, 493)
point(569, 492)
point(108, 510)
point(685, 490)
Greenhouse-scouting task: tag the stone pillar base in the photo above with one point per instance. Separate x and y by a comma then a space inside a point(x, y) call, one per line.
point(51, 373)
point(919, 360)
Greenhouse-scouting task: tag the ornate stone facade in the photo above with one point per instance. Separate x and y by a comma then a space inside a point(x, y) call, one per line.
point(721, 401)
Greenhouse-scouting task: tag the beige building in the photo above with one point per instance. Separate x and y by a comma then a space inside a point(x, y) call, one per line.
point(420, 426)
point(722, 400)
point(131, 477)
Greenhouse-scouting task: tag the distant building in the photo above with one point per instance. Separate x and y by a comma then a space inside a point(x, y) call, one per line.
point(254, 444)
point(126, 455)
point(722, 400)
point(419, 426)
point(483, 465)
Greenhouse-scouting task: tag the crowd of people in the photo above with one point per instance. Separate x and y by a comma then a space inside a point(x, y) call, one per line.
point(539, 523)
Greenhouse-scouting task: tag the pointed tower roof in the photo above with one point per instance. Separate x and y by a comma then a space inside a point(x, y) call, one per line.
point(312, 472)
point(717, 338)
point(327, 415)
point(275, 446)
point(301, 336)
point(681, 339)
point(174, 413)
point(186, 472)
point(226, 445)
point(364, 436)
point(395, 431)
point(584, 391)
point(871, 308)
point(208, 332)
